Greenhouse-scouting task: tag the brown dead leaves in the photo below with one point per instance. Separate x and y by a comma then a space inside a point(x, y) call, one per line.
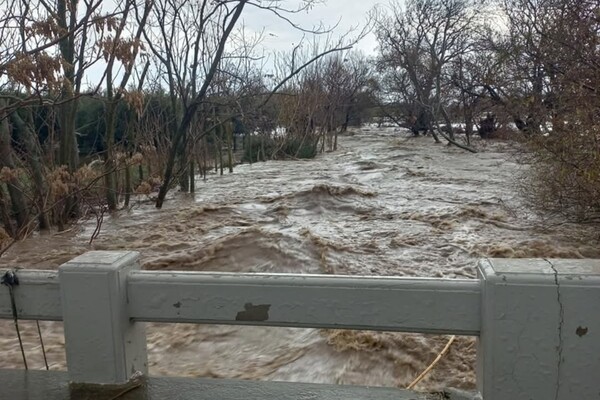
point(35, 70)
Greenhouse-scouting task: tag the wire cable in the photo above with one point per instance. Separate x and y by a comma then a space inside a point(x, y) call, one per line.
point(10, 280)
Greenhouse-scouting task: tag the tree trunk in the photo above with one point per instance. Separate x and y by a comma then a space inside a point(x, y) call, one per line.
point(109, 160)
point(34, 159)
point(220, 148)
point(192, 177)
point(229, 133)
point(50, 148)
point(248, 144)
point(5, 214)
point(346, 120)
point(69, 153)
point(128, 188)
point(184, 177)
point(215, 150)
point(184, 182)
point(468, 127)
point(15, 190)
point(335, 140)
point(140, 173)
point(205, 159)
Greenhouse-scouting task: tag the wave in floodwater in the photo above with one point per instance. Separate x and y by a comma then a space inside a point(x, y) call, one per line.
point(383, 204)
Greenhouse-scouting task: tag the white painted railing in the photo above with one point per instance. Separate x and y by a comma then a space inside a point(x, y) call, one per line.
point(537, 321)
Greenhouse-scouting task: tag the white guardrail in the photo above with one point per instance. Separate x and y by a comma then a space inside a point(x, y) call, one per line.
point(537, 321)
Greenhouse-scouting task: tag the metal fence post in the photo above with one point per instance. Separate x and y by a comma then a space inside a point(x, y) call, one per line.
point(103, 345)
point(540, 330)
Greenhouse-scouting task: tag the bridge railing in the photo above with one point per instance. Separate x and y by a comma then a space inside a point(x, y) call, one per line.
point(537, 321)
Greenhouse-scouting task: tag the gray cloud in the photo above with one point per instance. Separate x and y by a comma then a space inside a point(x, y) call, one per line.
point(281, 36)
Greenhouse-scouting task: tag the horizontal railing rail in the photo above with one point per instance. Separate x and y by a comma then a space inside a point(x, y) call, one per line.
point(536, 320)
point(37, 297)
point(390, 304)
point(286, 300)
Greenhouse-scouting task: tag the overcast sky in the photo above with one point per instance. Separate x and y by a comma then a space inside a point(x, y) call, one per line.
point(280, 36)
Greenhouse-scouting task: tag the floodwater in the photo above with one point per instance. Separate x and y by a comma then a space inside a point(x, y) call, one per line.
point(383, 204)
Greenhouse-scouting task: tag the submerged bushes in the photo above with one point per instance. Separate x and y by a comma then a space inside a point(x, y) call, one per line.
point(565, 172)
point(263, 148)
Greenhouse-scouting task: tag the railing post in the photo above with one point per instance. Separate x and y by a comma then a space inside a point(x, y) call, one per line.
point(103, 345)
point(540, 329)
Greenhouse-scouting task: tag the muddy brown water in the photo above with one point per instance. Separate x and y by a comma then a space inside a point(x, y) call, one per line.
point(383, 204)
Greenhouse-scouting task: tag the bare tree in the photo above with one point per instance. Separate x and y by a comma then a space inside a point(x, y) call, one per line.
point(419, 42)
point(190, 47)
point(124, 50)
point(192, 36)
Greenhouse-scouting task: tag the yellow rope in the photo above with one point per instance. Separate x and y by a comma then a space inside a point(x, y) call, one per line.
point(432, 365)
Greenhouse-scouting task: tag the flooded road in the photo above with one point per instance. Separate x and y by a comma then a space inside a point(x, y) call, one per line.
point(383, 204)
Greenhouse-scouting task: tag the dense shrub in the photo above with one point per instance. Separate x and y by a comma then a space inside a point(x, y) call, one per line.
point(565, 172)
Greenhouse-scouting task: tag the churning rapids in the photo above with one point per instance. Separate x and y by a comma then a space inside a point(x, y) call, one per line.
point(383, 204)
